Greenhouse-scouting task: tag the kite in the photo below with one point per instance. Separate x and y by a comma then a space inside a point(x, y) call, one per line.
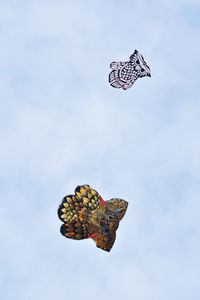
point(124, 74)
point(87, 215)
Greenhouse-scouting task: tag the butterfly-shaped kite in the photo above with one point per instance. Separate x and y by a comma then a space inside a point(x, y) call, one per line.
point(87, 215)
point(124, 74)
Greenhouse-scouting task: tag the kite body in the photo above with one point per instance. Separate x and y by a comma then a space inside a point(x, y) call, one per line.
point(124, 74)
point(86, 215)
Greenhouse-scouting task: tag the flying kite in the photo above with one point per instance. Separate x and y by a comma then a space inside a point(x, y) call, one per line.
point(124, 74)
point(87, 215)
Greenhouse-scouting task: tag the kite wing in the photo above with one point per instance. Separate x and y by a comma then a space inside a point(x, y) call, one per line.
point(77, 230)
point(78, 213)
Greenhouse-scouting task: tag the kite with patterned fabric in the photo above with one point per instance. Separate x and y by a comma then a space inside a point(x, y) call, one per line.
point(124, 74)
point(87, 215)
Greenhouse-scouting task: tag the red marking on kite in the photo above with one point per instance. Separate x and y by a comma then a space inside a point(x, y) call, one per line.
point(91, 236)
point(103, 202)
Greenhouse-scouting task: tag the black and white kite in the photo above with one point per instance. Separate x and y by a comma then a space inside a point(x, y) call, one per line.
point(124, 74)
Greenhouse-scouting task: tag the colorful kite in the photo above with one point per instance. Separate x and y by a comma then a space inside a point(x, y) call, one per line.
point(87, 215)
point(124, 74)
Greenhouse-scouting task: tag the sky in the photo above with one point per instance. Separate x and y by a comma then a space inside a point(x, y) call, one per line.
point(63, 125)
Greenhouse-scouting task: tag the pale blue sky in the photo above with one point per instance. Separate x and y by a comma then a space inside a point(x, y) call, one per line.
point(63, 125)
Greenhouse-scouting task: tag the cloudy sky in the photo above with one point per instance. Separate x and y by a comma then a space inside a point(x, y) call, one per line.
point(62, 125)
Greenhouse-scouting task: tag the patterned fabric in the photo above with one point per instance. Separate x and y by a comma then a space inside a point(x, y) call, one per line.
point(124, 74)
point(86, 215)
